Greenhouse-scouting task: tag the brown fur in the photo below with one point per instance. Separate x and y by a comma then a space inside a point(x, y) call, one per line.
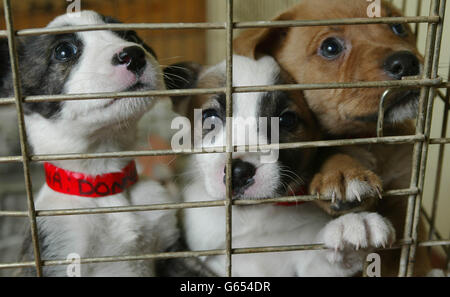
point(337, 171)
point(296, 49)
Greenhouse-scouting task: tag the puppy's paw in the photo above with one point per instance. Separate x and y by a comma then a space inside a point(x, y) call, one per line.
point(347, 234)
point(348, 189)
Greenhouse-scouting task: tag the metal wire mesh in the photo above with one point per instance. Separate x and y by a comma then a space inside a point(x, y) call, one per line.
point(429, 82)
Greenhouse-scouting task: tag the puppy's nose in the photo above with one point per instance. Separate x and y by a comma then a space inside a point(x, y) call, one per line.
point(402, 64)
point(134, 58)
point(242, 175)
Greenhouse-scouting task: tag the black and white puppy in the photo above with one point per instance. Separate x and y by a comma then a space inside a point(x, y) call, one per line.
point(256, 178)
point(92, 62)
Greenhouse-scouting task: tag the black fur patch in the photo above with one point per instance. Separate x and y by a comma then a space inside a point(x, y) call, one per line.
point(41, 73)
point(293, 161)
point(4, 65)
point(181, 76)
point(129, 35)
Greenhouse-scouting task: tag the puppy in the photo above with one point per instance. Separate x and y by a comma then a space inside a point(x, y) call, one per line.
point(347, 54)
point(255, 177)
point(90, 62)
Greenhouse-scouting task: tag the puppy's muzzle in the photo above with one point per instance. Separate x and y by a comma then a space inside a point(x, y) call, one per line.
point(242, 176)
point(133, 57)
point(401, 64)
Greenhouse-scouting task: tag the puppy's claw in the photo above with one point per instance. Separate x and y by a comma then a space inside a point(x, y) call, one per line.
point(379, 193)
point(358, 196)
point(347, 189)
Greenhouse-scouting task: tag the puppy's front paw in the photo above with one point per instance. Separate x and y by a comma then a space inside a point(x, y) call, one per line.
point(348, 189)
point(349, 233)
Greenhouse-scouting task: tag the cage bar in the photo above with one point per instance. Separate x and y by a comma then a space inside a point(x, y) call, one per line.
point(439, 9)
point(419, 147)
point(437, 185)
point(145, 153)
point(200, 204)
point(190, 254)
point(244, 89)
point(22, 135)
point(229, 132)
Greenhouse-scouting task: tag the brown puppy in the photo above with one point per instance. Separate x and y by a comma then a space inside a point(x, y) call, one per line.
point(349, 54)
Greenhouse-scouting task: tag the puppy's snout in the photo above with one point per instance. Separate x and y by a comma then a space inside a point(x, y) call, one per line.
point(402, 64)
point(133, 57)
point(242, 175)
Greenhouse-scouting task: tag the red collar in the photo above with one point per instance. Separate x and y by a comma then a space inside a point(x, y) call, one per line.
point(300, 192)
point(79, 184)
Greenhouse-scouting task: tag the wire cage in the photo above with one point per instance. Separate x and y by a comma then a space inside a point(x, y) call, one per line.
point(433, 87)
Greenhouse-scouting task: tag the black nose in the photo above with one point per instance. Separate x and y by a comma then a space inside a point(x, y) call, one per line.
point(402, 64)
point(242, 175)
point(134, 58)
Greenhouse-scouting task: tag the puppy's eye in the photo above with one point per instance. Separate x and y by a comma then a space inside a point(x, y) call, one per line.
point(289, 120)
point(210, 119)
point(65, 51)
point(399, 30)
point(210, 114)
point(331, 48)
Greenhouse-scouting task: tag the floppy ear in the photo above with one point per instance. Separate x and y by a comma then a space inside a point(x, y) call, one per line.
point(255, 42)
point(182, 76)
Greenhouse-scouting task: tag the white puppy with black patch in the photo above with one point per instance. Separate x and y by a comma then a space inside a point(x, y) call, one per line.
point(92, 62)
point(274, 224)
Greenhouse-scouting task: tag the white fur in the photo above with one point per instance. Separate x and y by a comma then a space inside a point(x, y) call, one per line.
point(103, 235)
point(438, 273)
point(100, 126)
point(356, 189)
point(246, 106)
point(272, 225)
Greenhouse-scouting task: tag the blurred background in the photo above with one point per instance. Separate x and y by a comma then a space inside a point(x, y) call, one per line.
point(171, 46)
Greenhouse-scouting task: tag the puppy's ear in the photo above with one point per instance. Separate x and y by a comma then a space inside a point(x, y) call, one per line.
point(255, 42)
point(182, 76)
